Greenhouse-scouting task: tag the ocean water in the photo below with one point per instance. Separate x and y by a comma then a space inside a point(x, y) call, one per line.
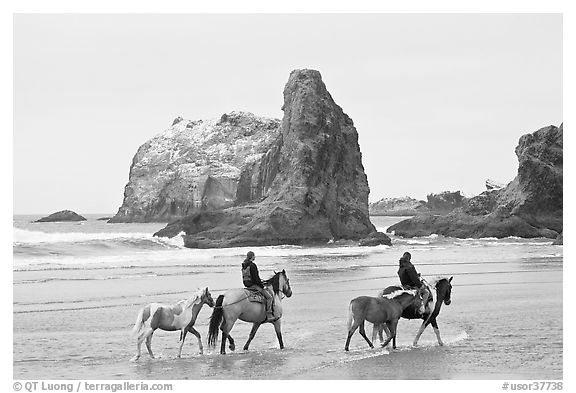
point(79, 286)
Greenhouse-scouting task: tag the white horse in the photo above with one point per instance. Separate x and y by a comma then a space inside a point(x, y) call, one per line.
point(180, 316)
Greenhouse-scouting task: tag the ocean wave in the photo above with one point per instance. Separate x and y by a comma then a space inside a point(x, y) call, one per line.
point(26, 237)
point(171, 254)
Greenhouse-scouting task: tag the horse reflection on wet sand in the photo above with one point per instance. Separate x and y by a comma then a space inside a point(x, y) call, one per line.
point(378, 310)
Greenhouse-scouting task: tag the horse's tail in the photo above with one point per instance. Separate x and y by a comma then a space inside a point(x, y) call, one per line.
point(139, 323)
point(350, 317)
point(215, 319)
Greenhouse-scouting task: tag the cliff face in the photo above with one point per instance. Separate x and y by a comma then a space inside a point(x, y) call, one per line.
point(530, 206)
point(199, 165)
point(311, 182)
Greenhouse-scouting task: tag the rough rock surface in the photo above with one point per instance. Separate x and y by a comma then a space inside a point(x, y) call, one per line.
point(375, 239)
point(198, 165)
point(312, 183)
point(442, 203)
point(404, 206)
point(559, 240)
point(64, 215)
point(530, 206)
point(493, 185)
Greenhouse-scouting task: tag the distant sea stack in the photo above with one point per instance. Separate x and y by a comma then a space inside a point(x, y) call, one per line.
point(199, 165)
point(404, 206)
point(63, 215)
point(442, 203)
point(529, 206)
point(308, 187)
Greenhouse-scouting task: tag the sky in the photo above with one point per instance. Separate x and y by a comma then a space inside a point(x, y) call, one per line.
point(439, 100)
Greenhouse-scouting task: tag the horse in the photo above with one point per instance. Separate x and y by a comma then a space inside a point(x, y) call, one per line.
point(235, 304)
point(443, 287)
point(180, 316)
point(379, 310)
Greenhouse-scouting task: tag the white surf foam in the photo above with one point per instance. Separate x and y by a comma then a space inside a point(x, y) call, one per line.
point(23, 236)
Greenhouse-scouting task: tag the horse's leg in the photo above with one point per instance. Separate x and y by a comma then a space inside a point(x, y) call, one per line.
point(437, 331)
point(232, 345)
point(195, 332)
point(139, 340)
point(351, 331)
point(375, 331)
point(389, 334)
point(363, 334)
point(182, 338)
point(255, 327)
point(227, 324)
point(149, 343)
point(386, 330)
point(279, 333)
point(393, 325)
point(422, 327)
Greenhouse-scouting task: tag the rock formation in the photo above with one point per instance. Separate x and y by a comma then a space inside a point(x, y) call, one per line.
point(198, 165)
point(404, 206)
point(310, 185)
point(63, 215)
point(442, 203)
point(530, 206)
point(493, 185)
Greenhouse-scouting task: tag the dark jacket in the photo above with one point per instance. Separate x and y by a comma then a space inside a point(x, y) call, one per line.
point(408, 275)
point(250, 274)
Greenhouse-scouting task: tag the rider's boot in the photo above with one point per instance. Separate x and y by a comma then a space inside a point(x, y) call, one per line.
point(270, 313)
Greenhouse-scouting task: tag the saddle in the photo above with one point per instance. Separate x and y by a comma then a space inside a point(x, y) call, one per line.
point(255, 296)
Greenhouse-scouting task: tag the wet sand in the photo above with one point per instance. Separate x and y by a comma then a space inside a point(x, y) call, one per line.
point(489, 329)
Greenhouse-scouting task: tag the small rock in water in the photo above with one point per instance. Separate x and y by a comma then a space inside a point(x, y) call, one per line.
point(62, 216)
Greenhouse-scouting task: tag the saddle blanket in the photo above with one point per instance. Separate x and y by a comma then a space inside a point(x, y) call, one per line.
point(254, 296)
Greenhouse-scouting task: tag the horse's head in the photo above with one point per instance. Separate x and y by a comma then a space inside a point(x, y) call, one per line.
point(444, 290)
point(284, 283)
point(207, 297)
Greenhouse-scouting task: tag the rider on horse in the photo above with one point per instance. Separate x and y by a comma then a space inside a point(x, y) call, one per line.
point(252, 281)
point(410, 278)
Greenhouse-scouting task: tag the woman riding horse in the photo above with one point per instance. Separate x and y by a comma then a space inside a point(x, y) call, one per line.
point(238, 304)
point(443, 287)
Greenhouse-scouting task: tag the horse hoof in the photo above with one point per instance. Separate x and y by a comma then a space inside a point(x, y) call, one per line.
point(232, 347)
point(135, 358)
point(441, 344)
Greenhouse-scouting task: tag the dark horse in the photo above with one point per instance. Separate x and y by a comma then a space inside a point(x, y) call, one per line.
point(381, 310)
point(443, 288)
point(235, 304)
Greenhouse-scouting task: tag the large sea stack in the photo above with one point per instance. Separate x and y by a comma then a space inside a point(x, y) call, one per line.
point(310, 185)
point(529, 206)
point(198, 165)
